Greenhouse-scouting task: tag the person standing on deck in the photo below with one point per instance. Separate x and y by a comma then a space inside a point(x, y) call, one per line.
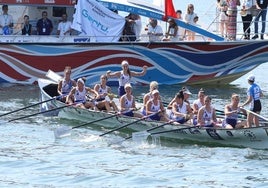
point(64, 27)
point(247, 19)
point(6, 22)
point(254, 94)
point(44, 25)
point(232, 21)
point(181, 30)
point(155, 31)
point(125, 75)
point(26, 27)
point(261, 5)
point(222, 7)
point(189, 18)
point(66, 84)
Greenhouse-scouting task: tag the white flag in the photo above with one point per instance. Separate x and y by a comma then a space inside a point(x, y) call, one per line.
point(96, 21)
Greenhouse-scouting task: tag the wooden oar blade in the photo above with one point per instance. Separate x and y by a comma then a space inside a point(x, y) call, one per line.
point(62, 132)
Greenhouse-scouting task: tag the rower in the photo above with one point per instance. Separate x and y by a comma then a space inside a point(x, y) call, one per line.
point(127, 103)
point(66, 84)
point(79, 94)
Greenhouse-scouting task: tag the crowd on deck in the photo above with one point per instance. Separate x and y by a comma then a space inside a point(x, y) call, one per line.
point(179, 111)
point(251, 12)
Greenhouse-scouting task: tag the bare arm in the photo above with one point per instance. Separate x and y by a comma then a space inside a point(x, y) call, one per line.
point(110, 74)
point(142, 73)
point(60, 87)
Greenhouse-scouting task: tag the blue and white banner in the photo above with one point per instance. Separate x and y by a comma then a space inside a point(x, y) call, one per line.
point(92, 19)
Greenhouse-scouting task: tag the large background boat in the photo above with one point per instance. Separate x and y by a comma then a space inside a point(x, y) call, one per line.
point(213, 60)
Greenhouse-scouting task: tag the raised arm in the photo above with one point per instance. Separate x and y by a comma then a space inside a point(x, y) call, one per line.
point(142, 73)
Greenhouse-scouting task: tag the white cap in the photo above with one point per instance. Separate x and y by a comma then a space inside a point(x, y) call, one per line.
point(251, 78)
point(127, 85)
point(186, 91)
point(81, 80)
point(124, 62)
point(155, 91)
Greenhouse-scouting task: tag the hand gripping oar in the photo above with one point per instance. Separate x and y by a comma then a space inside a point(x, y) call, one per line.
point(30, 115)
point(128, 124)
point(41, 102)
point(65, 130)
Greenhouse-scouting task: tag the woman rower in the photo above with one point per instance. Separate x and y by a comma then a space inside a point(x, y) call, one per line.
point(148, 96)
point(66, 84)
point(125, 75)
point(231, 114)
point(127, 103)
point(104, 91)
point(79, 93)
point(181, 111)
point(206, 116)
point(155, 108)
point(197, 104)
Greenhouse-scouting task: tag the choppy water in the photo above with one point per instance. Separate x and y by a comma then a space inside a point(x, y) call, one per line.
point(30, 156)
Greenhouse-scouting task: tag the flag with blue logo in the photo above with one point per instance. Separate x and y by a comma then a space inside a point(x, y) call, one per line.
point(94, 20)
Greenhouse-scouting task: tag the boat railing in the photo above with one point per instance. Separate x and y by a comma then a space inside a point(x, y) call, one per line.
point(214, 25)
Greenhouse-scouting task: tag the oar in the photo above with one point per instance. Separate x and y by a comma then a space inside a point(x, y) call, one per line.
point(41, 102)
point(53, 76)
point(123, 126)
point(64, 130)
point(148, 130)
point(260, 116)
point(30, 115)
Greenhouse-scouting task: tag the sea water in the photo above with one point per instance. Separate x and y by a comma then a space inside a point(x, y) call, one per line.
point(30, 156)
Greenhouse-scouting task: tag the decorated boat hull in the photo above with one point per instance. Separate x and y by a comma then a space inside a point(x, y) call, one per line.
point(168, 63)
point(256, 137)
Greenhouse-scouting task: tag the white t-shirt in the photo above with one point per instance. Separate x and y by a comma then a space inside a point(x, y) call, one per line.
point(63, 27)
point(157, 29)
point(5, 20)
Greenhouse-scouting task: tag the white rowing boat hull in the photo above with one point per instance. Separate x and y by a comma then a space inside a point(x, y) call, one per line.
point(255, 137)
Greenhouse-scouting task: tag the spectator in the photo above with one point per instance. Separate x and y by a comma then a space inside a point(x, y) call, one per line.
point(181, 30)
point(27, 27)
point(262, 6)
point(247, 18)
point(64, 27)
point(6, 22)
point(232, 21)
point(222, 7)
point(172, 33)
point(155, 31)
point(189, 18)
point(44, 25)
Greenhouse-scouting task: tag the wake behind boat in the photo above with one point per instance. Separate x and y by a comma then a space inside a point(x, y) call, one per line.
point(255, 137)
point(212, 61)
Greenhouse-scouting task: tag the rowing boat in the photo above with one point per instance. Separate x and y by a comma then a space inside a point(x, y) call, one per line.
point(254, 137)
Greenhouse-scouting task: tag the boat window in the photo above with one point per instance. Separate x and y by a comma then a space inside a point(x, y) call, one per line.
point(58, 11)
